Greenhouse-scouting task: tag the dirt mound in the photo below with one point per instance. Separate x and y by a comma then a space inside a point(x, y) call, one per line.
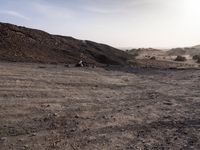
point(146, 52)
point(29, 45)
point(161, 64)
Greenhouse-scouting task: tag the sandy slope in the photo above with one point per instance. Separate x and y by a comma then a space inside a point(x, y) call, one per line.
point(53, 107)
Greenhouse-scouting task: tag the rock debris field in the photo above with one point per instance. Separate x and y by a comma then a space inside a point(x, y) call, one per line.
point(52, 107)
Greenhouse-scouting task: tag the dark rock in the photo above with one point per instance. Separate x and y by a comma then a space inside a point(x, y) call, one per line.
point(22, 44)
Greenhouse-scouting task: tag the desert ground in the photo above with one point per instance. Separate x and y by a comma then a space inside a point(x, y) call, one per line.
point(52, 107)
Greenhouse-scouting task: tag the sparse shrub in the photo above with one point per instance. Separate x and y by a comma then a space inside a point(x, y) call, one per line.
point(180, 58)
point(196, 57)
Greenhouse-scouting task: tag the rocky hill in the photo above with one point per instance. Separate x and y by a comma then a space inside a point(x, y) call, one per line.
point(185, 51)
point(154, 58)
point(150, 52)
point(29, 45)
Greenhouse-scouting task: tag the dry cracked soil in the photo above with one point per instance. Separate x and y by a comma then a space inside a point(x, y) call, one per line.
point(52, 107)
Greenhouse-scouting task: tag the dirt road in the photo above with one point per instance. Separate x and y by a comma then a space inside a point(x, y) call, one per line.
point(46, 107)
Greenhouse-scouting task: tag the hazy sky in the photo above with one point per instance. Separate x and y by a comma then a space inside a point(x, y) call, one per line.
point(120, 23)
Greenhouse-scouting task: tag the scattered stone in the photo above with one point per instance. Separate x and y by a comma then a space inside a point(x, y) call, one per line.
point(67, 65)
point(104, 117)
point(45, 106)
point(46, 119)
point(53, 132)
point(85, 130)
point(93, 88)
point(55, 125)
point(167, 103)
point(4, 139)
point(33, 134)
point(76, 116)
point(41, 67)
point(94, 66)
point(122, 130)
point(73, 130)
point(114, 119)
point(21, 140)
point(25, 147)
point(55, 115)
